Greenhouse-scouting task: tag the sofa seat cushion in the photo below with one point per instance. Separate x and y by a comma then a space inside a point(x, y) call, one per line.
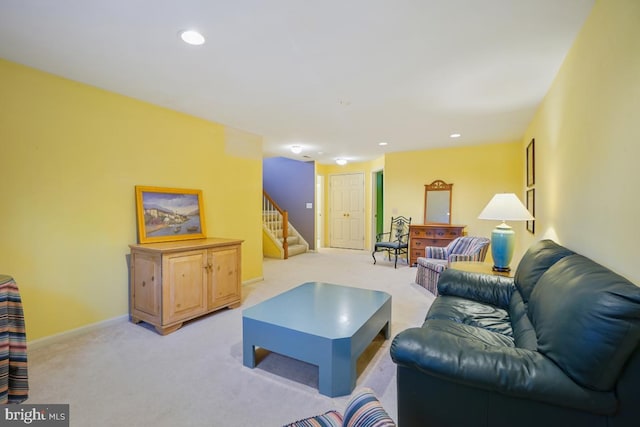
point(587, 320)
point(472, 313)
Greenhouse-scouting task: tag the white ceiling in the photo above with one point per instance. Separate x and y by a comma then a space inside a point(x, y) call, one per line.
point(334, 76)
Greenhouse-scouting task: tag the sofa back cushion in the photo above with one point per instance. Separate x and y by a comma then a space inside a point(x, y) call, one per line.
point(538, 258)
point(587, 320)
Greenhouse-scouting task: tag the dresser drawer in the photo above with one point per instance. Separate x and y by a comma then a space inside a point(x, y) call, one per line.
point(444, 233)
point(420, 244)
point(419, 233)
point(415, 254)
point(436, 233)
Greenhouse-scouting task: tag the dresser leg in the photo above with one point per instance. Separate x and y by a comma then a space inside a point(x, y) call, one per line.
point(167, 330)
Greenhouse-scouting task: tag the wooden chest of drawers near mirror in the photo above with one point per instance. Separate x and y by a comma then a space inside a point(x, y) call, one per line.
point(172, 282)
point(423, 235)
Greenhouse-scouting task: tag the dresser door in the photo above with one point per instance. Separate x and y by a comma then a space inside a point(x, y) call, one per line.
point(185, 279)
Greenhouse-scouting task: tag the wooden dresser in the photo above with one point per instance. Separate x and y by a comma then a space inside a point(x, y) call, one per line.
point(172, 282)
point(422, 235)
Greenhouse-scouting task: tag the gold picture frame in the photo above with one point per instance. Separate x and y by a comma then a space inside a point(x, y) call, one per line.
point(169, 214)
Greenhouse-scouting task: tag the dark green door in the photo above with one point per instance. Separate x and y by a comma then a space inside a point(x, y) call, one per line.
point(379, 202)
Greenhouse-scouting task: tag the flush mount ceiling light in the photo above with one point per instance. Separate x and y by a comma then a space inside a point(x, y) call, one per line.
point(455, 135)
point(383, 143)
point(341, 162)
point(296, 149)
point(192, 37)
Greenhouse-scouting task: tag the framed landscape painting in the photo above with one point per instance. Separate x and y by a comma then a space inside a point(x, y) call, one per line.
point(168, 214)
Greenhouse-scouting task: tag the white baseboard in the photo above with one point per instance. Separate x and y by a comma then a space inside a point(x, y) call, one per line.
point(43, 342)
point(254, 280)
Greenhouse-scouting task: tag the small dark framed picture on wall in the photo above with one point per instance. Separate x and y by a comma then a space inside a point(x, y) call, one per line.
point(531, 207)
point(531, 163)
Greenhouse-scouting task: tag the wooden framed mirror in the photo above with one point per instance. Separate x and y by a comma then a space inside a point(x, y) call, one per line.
point(437, 202)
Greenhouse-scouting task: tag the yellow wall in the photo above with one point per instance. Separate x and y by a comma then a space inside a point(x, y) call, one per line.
point(587, 133)
point(71, 155)
point(476, 172)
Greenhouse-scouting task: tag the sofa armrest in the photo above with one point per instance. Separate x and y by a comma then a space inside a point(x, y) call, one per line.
point(451, 351)
point(487, 288)
point(436, 252)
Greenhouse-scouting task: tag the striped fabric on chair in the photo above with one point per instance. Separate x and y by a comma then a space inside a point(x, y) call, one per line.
point(363, 410)
point(438, 259)
point(428, 273)
point(328, 419)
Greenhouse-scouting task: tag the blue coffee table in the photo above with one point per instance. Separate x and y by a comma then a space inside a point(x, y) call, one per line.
point(319, 323)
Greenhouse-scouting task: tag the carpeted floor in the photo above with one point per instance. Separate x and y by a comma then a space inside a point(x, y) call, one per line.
point(128, 375)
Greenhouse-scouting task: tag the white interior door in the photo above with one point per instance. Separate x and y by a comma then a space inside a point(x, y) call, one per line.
point(346, 211)
point(319, 211)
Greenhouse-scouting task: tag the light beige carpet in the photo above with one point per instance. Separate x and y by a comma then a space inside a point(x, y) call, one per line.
point(128, 375)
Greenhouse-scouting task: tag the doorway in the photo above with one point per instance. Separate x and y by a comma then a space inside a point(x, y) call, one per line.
point(377, 204)
point(346, 211)
point(319, 211)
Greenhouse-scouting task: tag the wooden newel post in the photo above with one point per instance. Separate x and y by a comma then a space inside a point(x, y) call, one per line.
point(285, 233)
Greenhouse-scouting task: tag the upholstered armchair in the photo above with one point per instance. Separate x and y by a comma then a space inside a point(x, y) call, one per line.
point(437, 259)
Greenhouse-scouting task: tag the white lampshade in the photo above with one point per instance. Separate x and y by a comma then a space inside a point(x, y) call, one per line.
point(505, 207)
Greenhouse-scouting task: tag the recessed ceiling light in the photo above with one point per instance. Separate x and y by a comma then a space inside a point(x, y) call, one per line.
point(383, 143)
point(296, 149)
point(192, 37)
point(455, 135)
point(341, 162)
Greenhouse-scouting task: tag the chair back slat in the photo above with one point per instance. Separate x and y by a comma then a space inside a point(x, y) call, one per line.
point(399, 231)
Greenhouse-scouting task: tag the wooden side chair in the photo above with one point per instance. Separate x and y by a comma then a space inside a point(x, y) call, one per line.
point(396, 240)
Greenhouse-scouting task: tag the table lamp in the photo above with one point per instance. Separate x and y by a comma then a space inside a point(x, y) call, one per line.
point(504, 207)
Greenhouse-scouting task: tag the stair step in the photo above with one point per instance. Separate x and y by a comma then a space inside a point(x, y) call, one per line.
point(272, 221)
point(278, 233)
point(291, 240)
point(297, 250)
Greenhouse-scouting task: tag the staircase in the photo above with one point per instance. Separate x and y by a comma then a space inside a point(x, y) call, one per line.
point(279, 241)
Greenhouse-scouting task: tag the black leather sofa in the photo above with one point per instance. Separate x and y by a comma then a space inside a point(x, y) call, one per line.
point(558, 345)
